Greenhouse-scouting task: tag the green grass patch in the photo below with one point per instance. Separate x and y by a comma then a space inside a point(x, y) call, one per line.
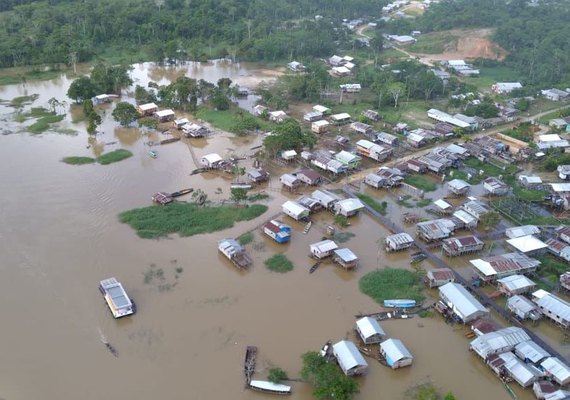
point(549, 271)
point(226, 119)
point(246, 238)
point(343, 237)
point(75, 160)
point(528, 194)
point(392, 283)
point(187, 219)
point(372, 203)
point(432, 43)
point(10, 77)
point(423, 202)
point(341, 221)
point(403, 201)
point(522, 132)
point(279, 263)
point(490, 169)
point(521, 212)
point(21, 101)
point(421, 182)
point(114, 156)
point(490, 75)
point(44, 123)
point(20, 118)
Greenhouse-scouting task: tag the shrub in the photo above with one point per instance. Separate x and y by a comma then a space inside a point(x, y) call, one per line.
point(279, 263)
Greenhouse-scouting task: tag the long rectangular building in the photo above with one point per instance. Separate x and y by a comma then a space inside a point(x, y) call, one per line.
point(495, 267)
point(462, 303)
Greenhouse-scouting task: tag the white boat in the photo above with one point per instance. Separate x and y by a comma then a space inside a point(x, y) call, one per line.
point(270, 387)
point(116, 297)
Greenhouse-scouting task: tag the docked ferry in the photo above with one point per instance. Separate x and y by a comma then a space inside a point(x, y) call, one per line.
point(116, 297)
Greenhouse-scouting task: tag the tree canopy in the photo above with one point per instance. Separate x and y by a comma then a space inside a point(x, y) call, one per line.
point(326, 377)
point(288, 136)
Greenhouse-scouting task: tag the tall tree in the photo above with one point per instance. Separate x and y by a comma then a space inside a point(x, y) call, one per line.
point(81, 89)
point(125, 113)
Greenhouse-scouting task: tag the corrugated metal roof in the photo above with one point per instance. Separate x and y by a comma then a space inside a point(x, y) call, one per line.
point(395, 349)
point(345, 255)
point(504, 263)
point(350, 205)
point(444, 205)
point(523, 374)
point(325, 197)
point(529, 350)
point(295, 207)
point(369, 327)
point(400, 238)
point(516, 282)
point(556, 368)
point(554, 305)
point(463, 301)
point(464, 217)
point(458, 184)
point(527, 244)
point(519, 231)
point(348, 355)
point(324, 245)
point(521, 303)
point(501, 340)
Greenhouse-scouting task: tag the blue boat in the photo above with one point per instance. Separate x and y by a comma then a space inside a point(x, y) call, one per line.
point(400, 303)
point(153, 154)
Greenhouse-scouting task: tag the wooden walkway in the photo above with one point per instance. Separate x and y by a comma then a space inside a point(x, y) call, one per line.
point(439, 263)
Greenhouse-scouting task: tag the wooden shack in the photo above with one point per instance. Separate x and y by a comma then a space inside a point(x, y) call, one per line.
point(345, 258)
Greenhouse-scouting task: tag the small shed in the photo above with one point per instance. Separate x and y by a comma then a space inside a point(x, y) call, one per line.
point(295, 210)
point(289, 155)
point(312, 116)
point(147, 109)
point(320, 126)
point(291, 182)
point(342, 118)
point(349, 358)
point(348, 207)
point(164, 115)
point(323, 249)
point(399, 241)
point(458, 187)
point(515, 284)
point(370, 330)
point(439, 277)
point(210, 160)
point(257, 175)
point(309, 177)
point(345, 258)
point(395, 353)
point(523, 308)
point(277, 116)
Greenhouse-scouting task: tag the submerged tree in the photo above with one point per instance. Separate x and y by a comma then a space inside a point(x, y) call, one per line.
point(81, 89)
point(328, 380)
point(125, 113)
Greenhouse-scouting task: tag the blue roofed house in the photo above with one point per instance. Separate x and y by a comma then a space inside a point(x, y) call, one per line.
point(277, 230)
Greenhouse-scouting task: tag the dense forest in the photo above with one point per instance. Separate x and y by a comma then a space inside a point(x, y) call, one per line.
point(535, 35)
point(59, 31)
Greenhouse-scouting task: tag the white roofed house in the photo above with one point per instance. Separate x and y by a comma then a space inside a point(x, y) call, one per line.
point(326, 198)
point(551, 141)
point(555, 94)
point(372, 150)
point(322, 109)
point(310, 203)
point(442, 207)
point(341, 71)
point(312, 116)
point(277, 116)
point(476, 208)
point(439, 277)
point(495, 187)
point(458, 246)
point(464, 220)
point(529, 245)
point(345, 258)
point(387, 138)
point(336, 61)
point(370, 330)
point(257, 175)
point(399, 241)
point(522, 308)
point(396, 354)
point(320, 126)
point(351, 88)
point(295, 210)
point(349, 358)
point(342, 118)
point(288, 155)
point(563, 172)
point(530, 352)
point(557, 370)
point(323, 249)
point(461, 303)
point(101, 99)
point(515, 284)
point(553, 307)
point(211, 160)
point(180, 122)
point(489, 269)
point(458, 187)
point(164, 115)
point(559, 249)
point(362, 128)
point(296, 66)
point(435, 229)
point(505, 87)
point(519, 231)
point(147, 109)
point(508, 365)
point(258, 110)
point(497, 342)
point(348, 207)
point(291, 182)
point(194, 130)
point(416, 140)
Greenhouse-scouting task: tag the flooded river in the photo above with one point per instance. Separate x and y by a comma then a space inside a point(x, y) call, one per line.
point(59, 236)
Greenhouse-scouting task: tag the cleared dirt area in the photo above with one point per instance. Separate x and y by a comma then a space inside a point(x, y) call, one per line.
point(464, 44)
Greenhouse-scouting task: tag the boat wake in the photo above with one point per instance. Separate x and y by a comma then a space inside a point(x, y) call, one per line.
point(108, 345)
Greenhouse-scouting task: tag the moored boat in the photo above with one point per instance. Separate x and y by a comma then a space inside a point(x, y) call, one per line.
point(153, 153)
point(181, 192)
point(116, 297)
point(400, 303)
point(270, 387)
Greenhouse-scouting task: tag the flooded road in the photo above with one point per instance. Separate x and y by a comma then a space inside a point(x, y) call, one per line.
point(59, 236)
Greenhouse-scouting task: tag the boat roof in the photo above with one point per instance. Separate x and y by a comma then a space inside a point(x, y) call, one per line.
point(369, 327)
point(116, 292)
point(395, 349)
point(270, 386)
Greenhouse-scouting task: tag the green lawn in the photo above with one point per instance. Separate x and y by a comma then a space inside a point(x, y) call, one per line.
point(226, 119)
point(186, 219)
point(391, 283)
point(421, 182)
point(372, 203)
point(490, 75)
point(490, 169)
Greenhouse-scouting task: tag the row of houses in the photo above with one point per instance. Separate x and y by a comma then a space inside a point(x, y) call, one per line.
point(461, 67)
point(385, 178)
point(322, 199)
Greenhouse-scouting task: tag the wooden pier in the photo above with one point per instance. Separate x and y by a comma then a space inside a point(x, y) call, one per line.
point(249, 363)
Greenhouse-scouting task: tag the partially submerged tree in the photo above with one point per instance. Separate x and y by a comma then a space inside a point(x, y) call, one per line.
point(277, 375)
point(125, 113)
point(81, 89)
point(238, 195)
point(326, 377)
point(288, 136)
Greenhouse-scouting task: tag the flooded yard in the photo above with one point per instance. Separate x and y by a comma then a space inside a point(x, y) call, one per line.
point(60, 236)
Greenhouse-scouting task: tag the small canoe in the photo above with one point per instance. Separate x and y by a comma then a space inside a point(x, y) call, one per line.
point(314, 267)
point(400, 303)
point(181, 192)
point(153, 154)
point(237, 185)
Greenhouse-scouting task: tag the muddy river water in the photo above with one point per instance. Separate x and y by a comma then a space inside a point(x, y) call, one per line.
point(59, 236)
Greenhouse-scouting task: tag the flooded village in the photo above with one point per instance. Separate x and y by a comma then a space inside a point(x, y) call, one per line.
point(488, 309)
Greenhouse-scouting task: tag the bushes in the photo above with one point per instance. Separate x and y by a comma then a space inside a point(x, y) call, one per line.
point(114, 156)
point(380, 208)
point(74, 160)
point(391, 283)
point(279, 263)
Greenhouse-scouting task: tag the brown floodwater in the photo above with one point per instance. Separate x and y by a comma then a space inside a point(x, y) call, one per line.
point(60, 235)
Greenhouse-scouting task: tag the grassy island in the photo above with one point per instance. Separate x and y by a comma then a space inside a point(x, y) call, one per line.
point(279, 263)
point(391, 283)
point(187, 219)
point(114, 156)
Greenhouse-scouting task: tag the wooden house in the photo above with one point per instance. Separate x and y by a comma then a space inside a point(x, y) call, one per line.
point(211, 160)
point(361, 128)
point(523, 308)
point(495, 187)
point(458, 187)
point(395, 353)
point(439, 277)
point(322, 109)
point(339, 119)
point(277, 230)
point(312, 116)
point(309, 177)
point(372, 150)
point(349, 358)
point(295, 210)
point(290, 181)
point(259, 110)
point(194, 130)
point(349, 160)
point(101, 99)
point(147, 109)
point(458, 246)
point(326, 198)
point(277, 116)
point(235, 253)
point(399, 241)
point(387, 138)
point(320, 126)
point(370, 330)
point(416, 166)
point(371, 115)
point(348, 207)
point(345, 258)
point(515, 284)
point(179, 123)
point(257, 175)
point(323, 249)
point(164, 115)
